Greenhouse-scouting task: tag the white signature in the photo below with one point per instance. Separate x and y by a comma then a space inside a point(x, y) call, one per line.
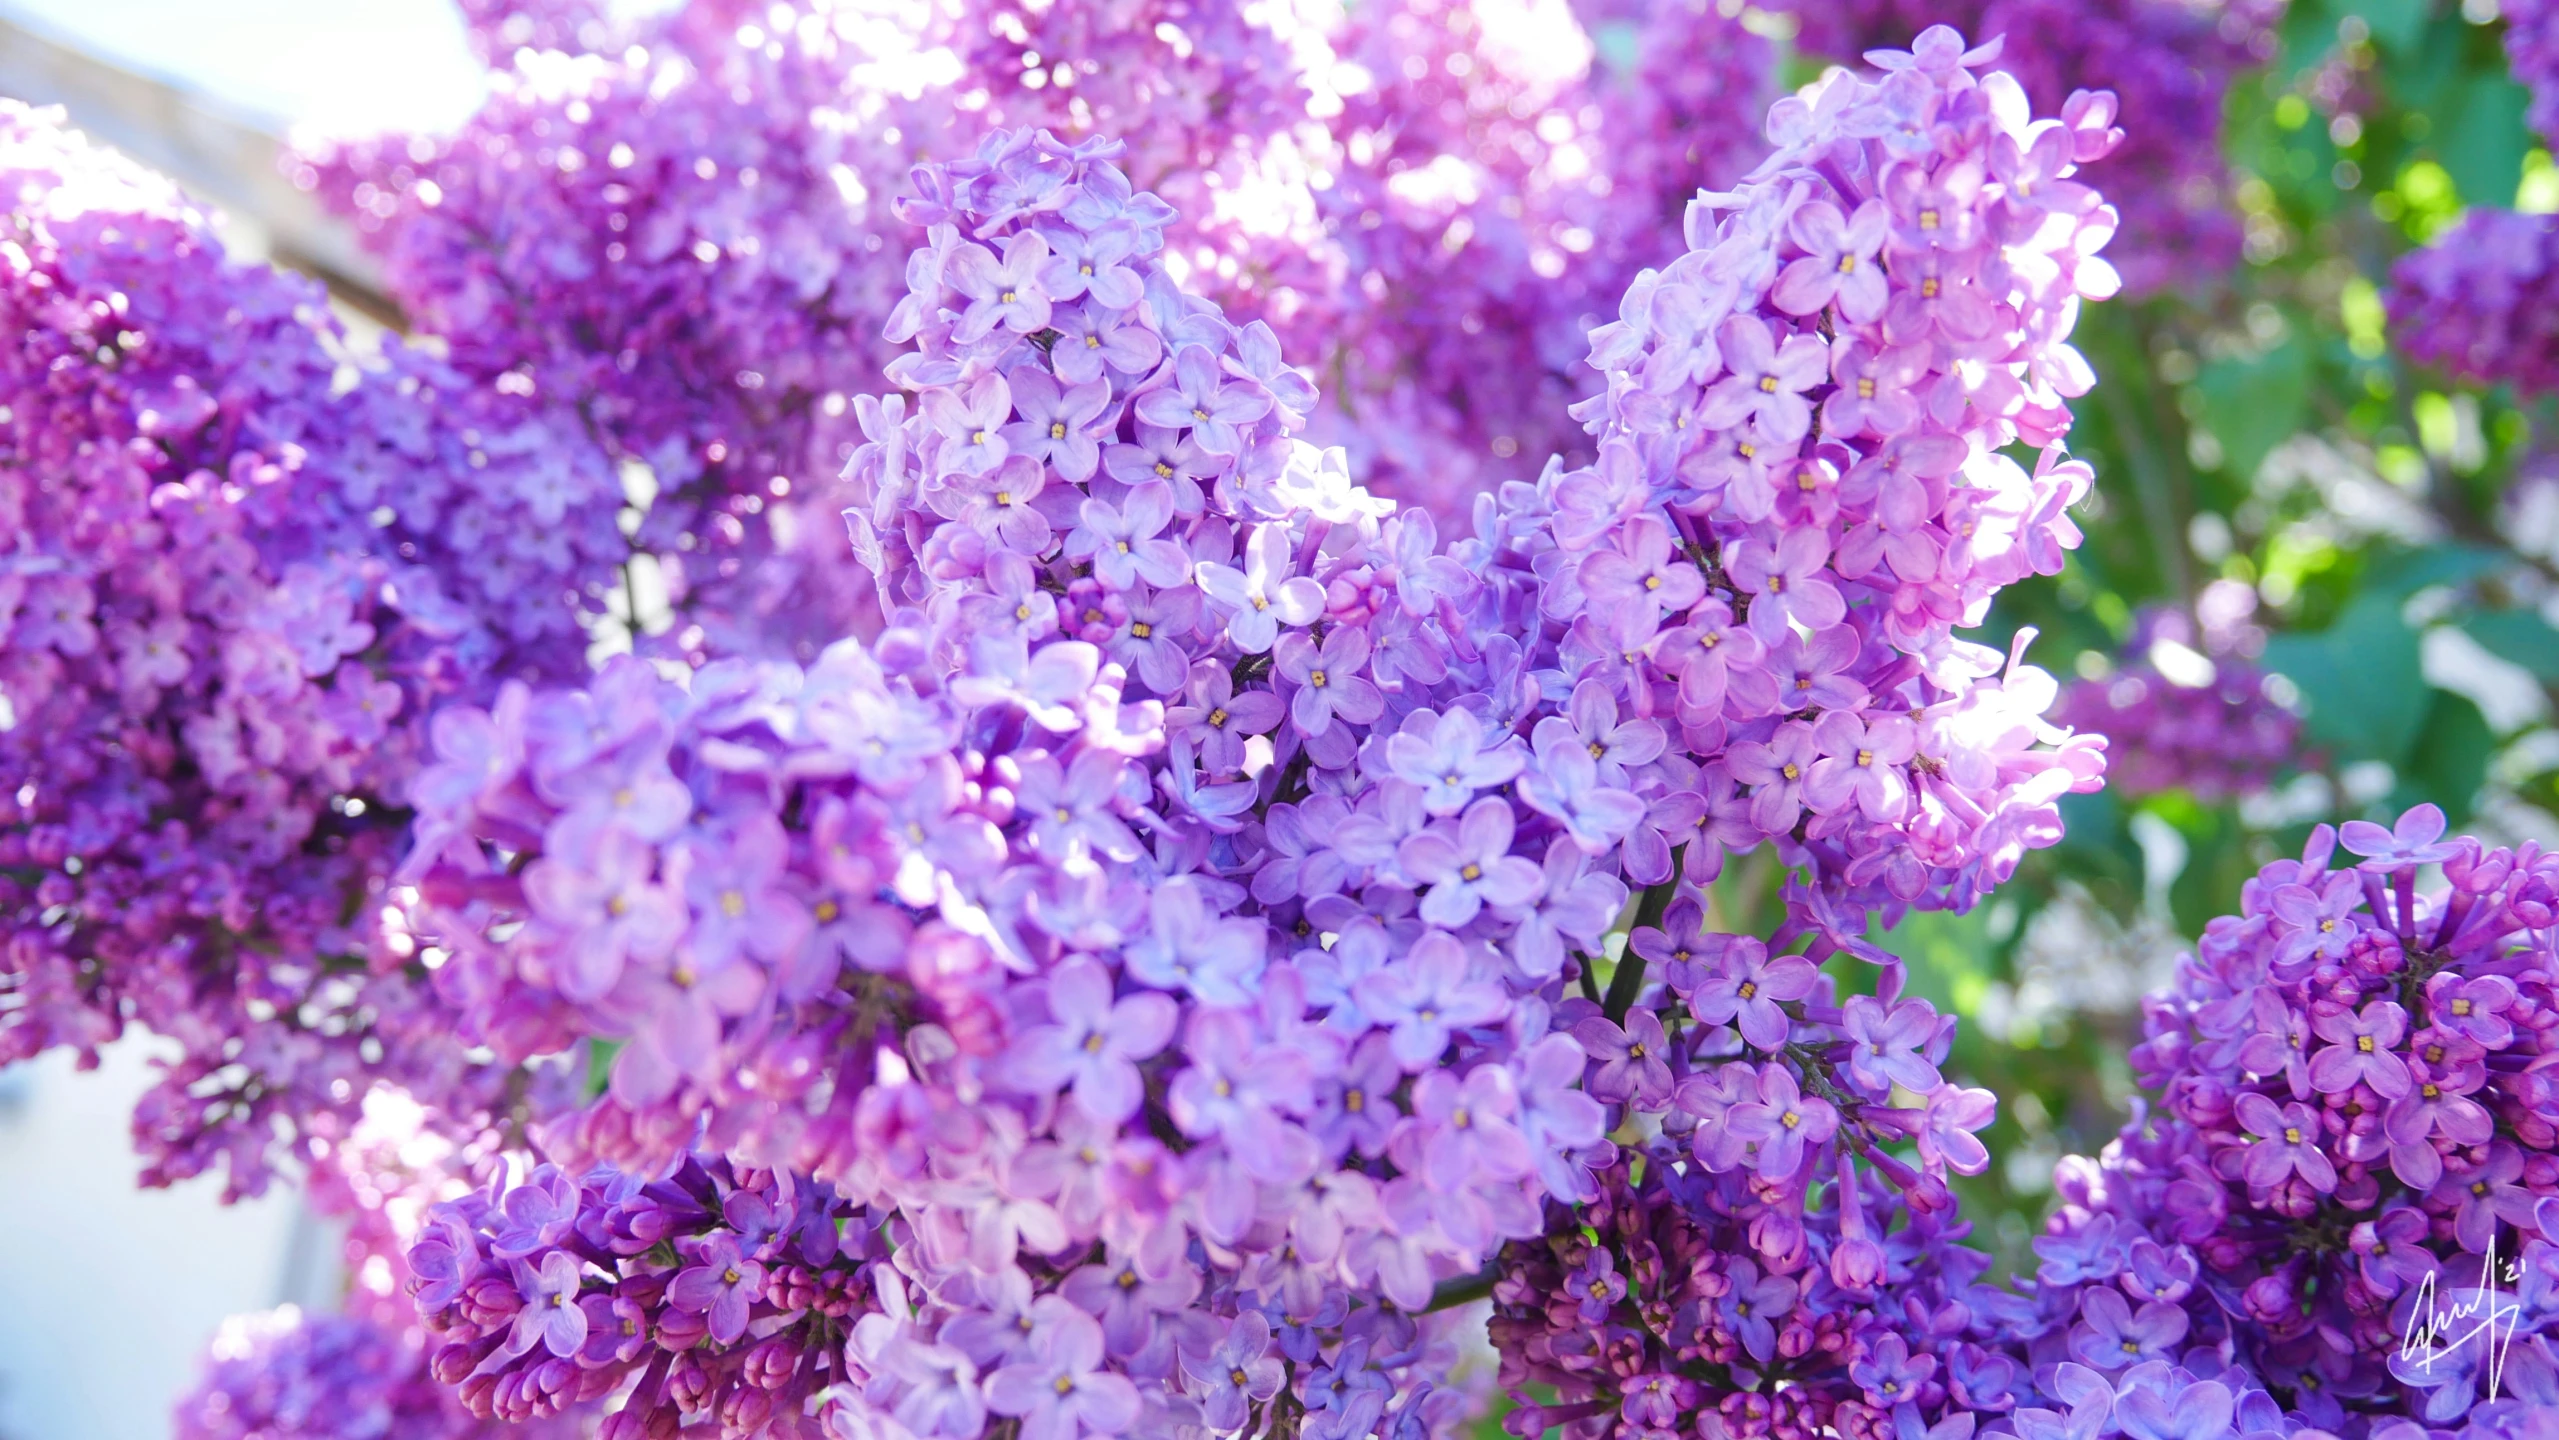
point(2479, 1309)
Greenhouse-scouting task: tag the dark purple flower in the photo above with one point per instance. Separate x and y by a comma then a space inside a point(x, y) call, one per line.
point(1058, 1389)
point(1448, 759)
point(2472, 1006)
point(720, 1284)
point(550, 1317)
point(1229, 1378)
point(1753, 1303)
point(1744, 986)
point(2360, 1049)
point(1469, 865)
point(1630, 1063)
point(1887, 1045)
point(1328, 679)
point(2110, 1335)
point(2413, 841)
point(1425, 997)
point(1784, 1122)
point(1094, 1043)
point(2287, 1144)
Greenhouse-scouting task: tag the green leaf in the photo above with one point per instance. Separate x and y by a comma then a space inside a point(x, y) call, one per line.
point(2484, 140)
point(2251, 406)
point(2450, 760)
point(2521, 636)
point(2399, 574)
point(2399, 24)
point(2366, 691)
point(599, 1064)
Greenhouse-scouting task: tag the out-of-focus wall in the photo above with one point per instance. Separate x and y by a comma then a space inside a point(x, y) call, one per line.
point(108, 1292)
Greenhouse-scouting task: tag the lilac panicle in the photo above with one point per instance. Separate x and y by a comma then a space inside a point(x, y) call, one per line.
point(1151, 946)
point(2347, 1113)
point(246, 562)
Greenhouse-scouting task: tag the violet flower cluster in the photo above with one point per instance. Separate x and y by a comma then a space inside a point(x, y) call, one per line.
point(2532, 54)
point(1816, 395)
point(1495, 177)
point(2354, 1145)
point(1168, 919)
point(2213, 730)
point(682, 232)
point(706, 1294)
point(676, 236)
point(285, 1375)
point(2480, 303)
point(2162, 57)
point(1785, 1259)
point(244, 562)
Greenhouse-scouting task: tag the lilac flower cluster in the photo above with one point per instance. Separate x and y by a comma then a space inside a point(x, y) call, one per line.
point(1495, 177)
point(2162, 57)
point(707, 1296)
point(2213, 730)
point(1167, 919)
point(2480, 302)
point(2355, 1137)
point(284, 1375)
point(678, 227)
point(1784, 1260)
point(244, 562)
point(678, 237)
point(1816, 395)
point(748, 1303)
point(2532, 53)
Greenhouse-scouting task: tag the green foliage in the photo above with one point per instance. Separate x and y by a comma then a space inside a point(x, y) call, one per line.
point(2521, 636)
point(2361, 677)
point(2253, 403)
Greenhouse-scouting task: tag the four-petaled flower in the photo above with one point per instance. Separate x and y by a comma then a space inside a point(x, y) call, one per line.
point(1058, 1388)
point(720, 1285)
point(2287, 1144)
